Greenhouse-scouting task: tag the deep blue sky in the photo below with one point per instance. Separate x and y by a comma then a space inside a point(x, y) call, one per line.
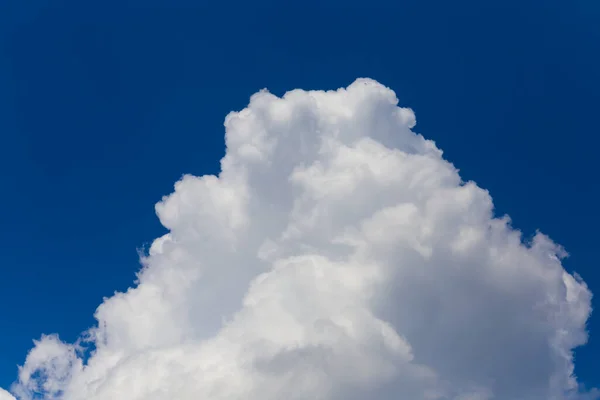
point(103, 106)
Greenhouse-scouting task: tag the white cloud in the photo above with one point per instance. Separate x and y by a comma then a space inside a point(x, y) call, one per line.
point(336, 256)
point(4, 395)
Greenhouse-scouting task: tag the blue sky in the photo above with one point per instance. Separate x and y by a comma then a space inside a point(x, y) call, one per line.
point(103, 106)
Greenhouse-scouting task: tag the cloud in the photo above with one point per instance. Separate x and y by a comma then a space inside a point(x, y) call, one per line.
point(4, 395)
point(336, 256)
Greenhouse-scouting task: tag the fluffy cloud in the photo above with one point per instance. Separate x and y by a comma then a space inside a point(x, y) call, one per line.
point(336, 256)
point(4, 395)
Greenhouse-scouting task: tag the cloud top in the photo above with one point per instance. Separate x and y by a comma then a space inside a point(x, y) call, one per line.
point(336, 256)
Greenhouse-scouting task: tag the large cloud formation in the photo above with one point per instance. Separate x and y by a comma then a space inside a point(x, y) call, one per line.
point(336, 256)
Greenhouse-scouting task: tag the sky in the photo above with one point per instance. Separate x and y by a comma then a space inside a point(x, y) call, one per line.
point(105, 105)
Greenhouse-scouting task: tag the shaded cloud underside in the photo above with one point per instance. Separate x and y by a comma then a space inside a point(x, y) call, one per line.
point(336, 256)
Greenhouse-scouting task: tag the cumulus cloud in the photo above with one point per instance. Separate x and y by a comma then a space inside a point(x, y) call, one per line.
point(336, 256)
point(4, 395)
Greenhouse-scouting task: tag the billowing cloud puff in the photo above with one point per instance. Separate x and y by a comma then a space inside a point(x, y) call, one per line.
point(336, 256)
point(4, 395)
